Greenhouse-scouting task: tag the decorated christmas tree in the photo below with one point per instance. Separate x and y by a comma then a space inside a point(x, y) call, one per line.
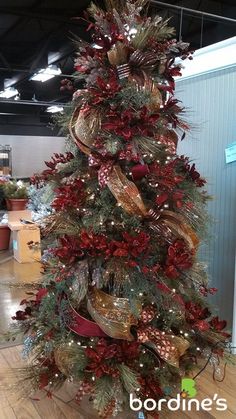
point(122, 307)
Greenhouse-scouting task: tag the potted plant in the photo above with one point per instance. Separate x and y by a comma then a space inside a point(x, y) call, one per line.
point(16, 195)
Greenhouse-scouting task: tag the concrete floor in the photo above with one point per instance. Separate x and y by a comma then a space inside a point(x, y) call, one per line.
point(12, 272)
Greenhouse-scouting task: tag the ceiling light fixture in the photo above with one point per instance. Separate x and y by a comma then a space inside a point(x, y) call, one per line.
point(8, 93)
point(46, 73)
point(54, 109)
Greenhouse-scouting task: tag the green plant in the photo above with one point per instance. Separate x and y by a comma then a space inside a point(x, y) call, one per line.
point(15, 190)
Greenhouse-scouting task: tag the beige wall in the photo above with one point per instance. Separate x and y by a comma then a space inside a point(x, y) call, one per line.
point(29, 153)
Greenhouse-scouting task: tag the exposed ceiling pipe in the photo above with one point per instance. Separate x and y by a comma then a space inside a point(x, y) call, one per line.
point(31, 102)
point(21, 70)
point(194, 11)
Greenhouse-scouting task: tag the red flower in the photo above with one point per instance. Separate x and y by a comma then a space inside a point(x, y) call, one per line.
point(191, 171)
point(175, 197)
point(99, 355)
point(129, 123)
point(128, 351)
point(69, 249)
point(168, 181)
point(94, 244)
point(104, 89)
point(218, 325)
point(205, 291)
point(179, 258)
point(150, 387)
point(202, 325)
point(131, 246)
point(42, 292)
point(195, 312)
point(70, 195)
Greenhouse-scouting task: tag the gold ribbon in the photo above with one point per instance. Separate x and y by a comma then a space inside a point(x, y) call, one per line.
point(126, 193)
point(83, 129)
point(112, 314)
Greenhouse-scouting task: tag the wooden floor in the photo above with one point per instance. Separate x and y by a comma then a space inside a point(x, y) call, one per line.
point(12, 272)
point(62, 405)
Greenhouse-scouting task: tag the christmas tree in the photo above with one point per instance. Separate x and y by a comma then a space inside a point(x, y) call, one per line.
point(122, 307)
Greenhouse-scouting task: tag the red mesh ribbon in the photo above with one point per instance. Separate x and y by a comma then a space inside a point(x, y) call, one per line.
point(84, 327)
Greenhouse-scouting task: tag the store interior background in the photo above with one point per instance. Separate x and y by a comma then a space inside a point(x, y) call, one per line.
point(29, 34)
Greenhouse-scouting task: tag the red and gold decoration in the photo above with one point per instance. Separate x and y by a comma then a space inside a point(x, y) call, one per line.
point(168, 347)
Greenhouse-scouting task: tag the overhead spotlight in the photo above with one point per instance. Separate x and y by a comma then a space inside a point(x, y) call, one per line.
point(54, 109)
point(9, 92)
point(46, 73)
point(96, 46)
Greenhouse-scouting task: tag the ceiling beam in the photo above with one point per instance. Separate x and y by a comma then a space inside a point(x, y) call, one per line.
point(194, 11)
point(20, 12)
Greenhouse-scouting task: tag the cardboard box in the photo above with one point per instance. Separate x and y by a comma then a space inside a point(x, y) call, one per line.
point(15, 216)
point(23, 234)
point(22, 252)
